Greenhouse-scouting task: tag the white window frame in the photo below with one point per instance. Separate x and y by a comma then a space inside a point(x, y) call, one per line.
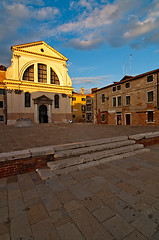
point(130, 118)
point(125, 100)
point(147, 116)
point(151, 81)
point(117, 101)
point(148, 98)
point(112, 102)
point(129, 85)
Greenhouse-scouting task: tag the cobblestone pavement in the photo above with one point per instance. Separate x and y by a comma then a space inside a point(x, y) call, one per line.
point(118, 200)
point(17, 138)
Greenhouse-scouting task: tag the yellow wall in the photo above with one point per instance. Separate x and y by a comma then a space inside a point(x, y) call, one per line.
point(77, 103)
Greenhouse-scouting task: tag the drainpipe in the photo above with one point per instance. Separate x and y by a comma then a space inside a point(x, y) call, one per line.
point(5, 105)
point(157, 91)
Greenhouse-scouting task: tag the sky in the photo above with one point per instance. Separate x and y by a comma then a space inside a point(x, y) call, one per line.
point(103, 39)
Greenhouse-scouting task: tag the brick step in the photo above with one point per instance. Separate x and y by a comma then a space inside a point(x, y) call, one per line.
point(90, 149)
point(92, 157)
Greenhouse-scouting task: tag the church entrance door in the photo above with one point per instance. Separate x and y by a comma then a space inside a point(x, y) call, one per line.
point(43, 117)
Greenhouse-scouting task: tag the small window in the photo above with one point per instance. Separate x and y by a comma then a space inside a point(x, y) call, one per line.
point(103, 117)
point(103, 97)
point(114, 89)
point(119, 87)
point(119, 101)
point(127, 100)
point(127, 85)
point(73, 116)
point(83, 108)
point(73, 99)
point(150, 78)
point(150, 116)
point(1, 118)
point(56, 101)
point(150, 96)
point(83, 116)
point(27, 99)
point(114, 101)
point(1, 104)
point(83, 99)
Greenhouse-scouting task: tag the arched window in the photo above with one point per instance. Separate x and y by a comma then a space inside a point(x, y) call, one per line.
point(27, 99)
point(56, 101)
point(54, 78)
point(29, 74)
point(42, 73)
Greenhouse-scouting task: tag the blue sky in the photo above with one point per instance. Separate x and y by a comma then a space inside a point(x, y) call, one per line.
point(97, 36)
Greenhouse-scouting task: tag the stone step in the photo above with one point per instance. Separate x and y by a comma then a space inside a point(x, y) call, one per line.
point(101, 161)
point(91, 149)
point(95, 156)
point(69, 146)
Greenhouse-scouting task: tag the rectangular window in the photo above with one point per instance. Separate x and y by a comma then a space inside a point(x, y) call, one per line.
point(150, 78)
point(150, 116)
point(119, 87)
point(150, 96)
point(1, 118)
point(119, 101)
point(83, 116)
point(103, 97)
point(127, 100)
point(114, 101)
point(42, 73)
point(73, 116)
point(73, 99)
point(127, 85)
point(2, 91)
point(1, 104)
point(83, 99)
point(114, 89)
point(103, 117)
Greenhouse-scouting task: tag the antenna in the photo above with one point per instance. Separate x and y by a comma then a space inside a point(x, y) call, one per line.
point(123, 69)
point(130, 63)
point(126, 69)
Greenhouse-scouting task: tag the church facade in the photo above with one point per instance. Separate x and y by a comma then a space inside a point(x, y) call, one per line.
point(36, 86)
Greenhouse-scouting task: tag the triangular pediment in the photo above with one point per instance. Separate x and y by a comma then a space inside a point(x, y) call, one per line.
point(43, 99)
point(39, 48)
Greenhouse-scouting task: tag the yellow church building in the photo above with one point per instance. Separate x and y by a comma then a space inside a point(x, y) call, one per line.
point(36, 86)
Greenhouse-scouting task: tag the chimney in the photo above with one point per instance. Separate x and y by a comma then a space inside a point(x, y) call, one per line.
point(82, 90)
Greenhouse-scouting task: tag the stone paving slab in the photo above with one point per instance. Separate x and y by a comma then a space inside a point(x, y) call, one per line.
point(117, 200)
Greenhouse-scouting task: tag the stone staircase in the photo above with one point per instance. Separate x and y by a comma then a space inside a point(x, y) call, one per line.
point(76, 156)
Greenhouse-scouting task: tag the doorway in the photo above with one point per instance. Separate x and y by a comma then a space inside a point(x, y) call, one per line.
point(119, 121)
point(43, 117)
point(127, 119)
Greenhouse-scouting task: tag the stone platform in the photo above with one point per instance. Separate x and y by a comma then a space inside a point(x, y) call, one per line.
point(118, 200)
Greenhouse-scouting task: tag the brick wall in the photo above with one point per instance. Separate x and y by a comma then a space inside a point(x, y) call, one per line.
point(14, 167)
point(148, 141)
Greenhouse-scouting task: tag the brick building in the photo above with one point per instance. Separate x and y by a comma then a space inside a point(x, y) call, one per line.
point(131, 101)
point(36, 86)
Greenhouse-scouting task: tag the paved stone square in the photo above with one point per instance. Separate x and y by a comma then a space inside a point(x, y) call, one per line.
point(118, 200)
point(14, 138)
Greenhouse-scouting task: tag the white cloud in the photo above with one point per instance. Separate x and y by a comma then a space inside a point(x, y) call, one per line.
point(46, 13)
point(85, 44)
point(90, 80)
